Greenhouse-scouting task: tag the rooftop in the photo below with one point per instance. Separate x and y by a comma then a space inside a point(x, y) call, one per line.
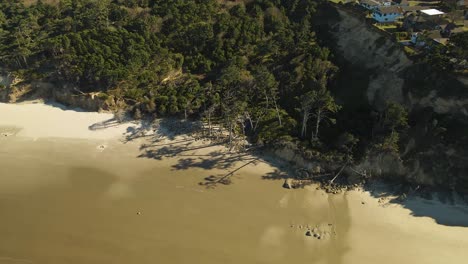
point(390, 9)
point(432, 12)
point(374, 2)
point(370, 2)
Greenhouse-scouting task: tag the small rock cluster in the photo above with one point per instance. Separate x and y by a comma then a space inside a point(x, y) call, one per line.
point(320, 232)
point(339, 188)
point(295, 183)
point(291, 183)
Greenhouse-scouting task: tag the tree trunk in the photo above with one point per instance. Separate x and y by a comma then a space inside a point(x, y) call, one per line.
point(230, 135)
point(317, 124)
point(230, 132)
point(304, 124)
point(278, 114)
point(251, 122)
point(25, 61)
point(209, 123)
point(339, 172)
point(267, 100)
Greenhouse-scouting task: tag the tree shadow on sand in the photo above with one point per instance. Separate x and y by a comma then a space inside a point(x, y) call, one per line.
point(446, 208)
point(213, 181)
point(189, 159)
point(173, 138)
point(160, 130)
point(112, 122)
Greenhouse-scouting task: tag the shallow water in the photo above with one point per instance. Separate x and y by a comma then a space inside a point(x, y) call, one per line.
point(69, 201)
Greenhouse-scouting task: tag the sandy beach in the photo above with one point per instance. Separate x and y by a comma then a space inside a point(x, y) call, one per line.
point(79, 187)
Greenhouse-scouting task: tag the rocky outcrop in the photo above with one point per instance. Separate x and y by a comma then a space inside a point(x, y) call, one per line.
point(88, 101)
point(13, 90)
point(291, 154)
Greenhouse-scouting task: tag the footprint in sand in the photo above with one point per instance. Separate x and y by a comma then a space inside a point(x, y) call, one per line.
point(101, 147)
point(6, 134)
point(284, 201)
point(323, 231)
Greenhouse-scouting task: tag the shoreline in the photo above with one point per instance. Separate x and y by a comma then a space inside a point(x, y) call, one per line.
point(54, 120)
point(155, 173)
point(49, 119)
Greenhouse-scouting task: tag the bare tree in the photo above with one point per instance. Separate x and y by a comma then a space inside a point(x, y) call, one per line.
point(319, 104)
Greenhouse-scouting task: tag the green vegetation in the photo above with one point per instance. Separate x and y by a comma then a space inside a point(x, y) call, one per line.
point(444, 60)
point(254, 68)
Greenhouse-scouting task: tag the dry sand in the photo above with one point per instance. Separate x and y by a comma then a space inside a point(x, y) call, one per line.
point(65, 200)
point(38, 120)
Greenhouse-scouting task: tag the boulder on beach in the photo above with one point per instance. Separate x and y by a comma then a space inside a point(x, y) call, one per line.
point(288, 184)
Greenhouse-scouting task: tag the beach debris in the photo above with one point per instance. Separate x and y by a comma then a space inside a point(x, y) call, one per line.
point(363, 202)
point(323, 231)
point(138, 213)
point(101, 147)
point(294, 183)
point(287, 184)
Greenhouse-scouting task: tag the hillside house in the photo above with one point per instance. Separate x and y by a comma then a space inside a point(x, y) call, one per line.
point(460, 4)
point(432, 14)
point(420, 39)
point(387, 14)
point(402, 3)
point(441, 35)
point(419, 21)
point(374, 4)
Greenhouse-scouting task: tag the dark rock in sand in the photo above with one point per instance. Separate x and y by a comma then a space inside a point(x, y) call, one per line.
point(308, 233)
point(288, 184)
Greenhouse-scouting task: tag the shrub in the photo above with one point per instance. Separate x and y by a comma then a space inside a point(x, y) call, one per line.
point(409, 51)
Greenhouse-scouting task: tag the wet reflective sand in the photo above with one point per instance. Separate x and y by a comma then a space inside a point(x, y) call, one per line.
point(65, 202)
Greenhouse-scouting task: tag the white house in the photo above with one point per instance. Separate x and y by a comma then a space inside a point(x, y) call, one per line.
point(432, 12)
point(374, 4)
point(387, 14)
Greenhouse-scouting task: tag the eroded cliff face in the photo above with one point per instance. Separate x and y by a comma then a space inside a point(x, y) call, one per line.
point(435, 150)
point(367, 48)
point(440, 104)
point(13, 89)
point(371, 49)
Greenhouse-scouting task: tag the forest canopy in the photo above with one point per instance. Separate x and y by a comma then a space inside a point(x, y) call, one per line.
point(253, 67)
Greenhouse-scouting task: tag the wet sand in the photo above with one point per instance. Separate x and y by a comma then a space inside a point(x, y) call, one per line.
point(69, 194)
